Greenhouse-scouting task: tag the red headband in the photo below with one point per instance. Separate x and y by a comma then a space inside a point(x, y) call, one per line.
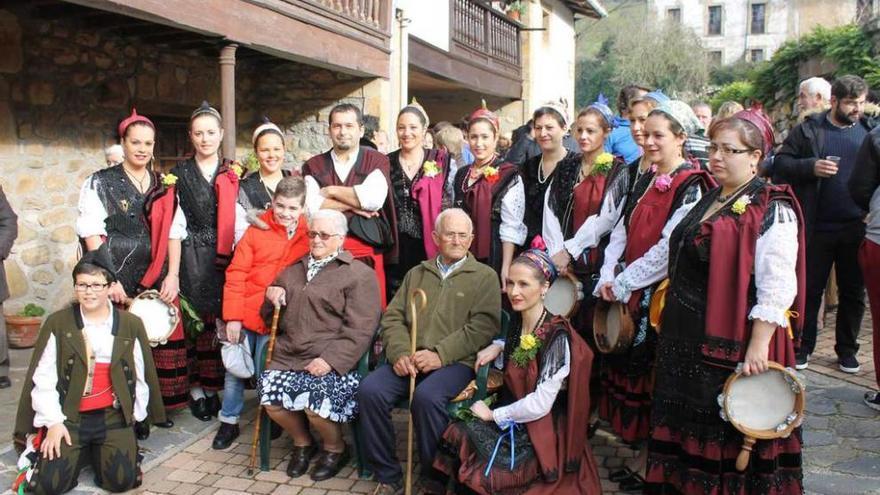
point(756, 117)
point(484, 113)
point(131, 119)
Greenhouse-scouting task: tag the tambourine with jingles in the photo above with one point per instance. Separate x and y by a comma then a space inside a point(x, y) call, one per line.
point(564, 296)
point(762, 407)
point(160, 318)
point(613, 328)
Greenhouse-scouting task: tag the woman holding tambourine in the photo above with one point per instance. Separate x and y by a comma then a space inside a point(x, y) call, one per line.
point(736, 267)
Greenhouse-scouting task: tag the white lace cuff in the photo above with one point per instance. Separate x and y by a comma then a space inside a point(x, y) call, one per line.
point(769, 314)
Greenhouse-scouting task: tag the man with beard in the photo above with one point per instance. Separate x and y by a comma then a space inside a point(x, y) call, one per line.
point(817, 159)
point(355, 180)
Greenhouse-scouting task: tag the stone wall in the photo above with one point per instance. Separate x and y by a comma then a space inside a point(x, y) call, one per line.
point(64, 87)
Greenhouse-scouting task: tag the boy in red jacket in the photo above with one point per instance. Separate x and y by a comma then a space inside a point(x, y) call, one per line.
point(259, 257)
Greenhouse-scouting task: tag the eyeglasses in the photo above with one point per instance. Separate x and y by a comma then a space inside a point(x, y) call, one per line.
point(725, 150)
point(324, 236)
point(93, 287)
point(463, 236)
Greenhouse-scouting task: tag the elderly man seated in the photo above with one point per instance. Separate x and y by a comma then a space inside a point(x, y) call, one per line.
point(331, 313)
point(462, 315)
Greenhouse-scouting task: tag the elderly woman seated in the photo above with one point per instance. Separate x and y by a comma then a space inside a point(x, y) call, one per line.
point(331, 311)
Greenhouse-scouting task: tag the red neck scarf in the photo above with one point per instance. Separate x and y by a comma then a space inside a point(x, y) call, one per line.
point(226, 189)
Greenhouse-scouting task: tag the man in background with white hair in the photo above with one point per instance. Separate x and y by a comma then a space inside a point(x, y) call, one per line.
point(113, 155)
point(814, 94)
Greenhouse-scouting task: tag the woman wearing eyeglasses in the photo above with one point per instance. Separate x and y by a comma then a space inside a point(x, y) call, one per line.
point(737, 263)
point(78, 406)
point(330, 312)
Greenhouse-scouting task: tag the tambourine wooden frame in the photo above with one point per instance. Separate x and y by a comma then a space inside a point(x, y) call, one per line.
point(154, 294)
point(579, 291)
point(751, 435)
point(600, 329)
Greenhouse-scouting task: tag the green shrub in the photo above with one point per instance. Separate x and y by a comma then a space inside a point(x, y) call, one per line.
point(738, 91)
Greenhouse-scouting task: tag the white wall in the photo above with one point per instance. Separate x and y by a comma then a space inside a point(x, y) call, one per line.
point(548, 56)
point(429, 20)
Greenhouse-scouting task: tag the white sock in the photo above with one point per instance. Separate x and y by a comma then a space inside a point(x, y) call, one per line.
point(197, 393)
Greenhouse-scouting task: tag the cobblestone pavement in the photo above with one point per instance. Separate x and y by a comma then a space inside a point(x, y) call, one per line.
point(841, 435)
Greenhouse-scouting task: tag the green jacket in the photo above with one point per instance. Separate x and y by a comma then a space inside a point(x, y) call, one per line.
point(462, 315)
point(66, 325)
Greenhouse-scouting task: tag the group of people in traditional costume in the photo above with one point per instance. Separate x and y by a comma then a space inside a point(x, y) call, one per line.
point(341, 249)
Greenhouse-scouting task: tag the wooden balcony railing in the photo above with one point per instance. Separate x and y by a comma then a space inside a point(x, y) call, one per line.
point(480, 28)
point(369, 12)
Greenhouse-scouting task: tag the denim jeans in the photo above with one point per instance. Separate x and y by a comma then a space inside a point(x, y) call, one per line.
point(233, 389)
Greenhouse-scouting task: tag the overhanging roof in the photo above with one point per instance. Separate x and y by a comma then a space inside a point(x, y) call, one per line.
point(589, 8)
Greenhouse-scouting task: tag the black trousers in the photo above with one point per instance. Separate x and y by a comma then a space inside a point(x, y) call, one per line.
point(840, 248)
point(378, 394)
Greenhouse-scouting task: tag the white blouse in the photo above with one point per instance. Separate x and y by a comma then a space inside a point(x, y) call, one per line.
point(776, 266)
point(371, 193)
point(538, 403)
point(92, 214)
point(44, 395)
point(513, 209)
point(652, 266)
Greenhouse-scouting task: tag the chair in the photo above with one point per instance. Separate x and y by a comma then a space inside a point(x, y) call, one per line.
point(481, 379)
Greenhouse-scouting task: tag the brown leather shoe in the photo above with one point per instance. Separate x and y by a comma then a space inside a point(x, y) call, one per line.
point(299, 460)
point(329, 464)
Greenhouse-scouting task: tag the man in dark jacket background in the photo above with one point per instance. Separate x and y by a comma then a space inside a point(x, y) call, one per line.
point(817, 160)
point(8, 233)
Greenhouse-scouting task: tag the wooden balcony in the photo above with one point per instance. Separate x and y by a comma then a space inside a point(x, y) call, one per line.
point(482, 33)
point(371, 13)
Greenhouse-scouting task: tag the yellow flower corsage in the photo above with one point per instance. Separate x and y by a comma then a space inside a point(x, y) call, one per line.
point(430, 169)
point(526, 350)
point(491, 174)
point(603, 163)
point(237, 169)
point(739, 206)
point(169, 179)
point(528, 342)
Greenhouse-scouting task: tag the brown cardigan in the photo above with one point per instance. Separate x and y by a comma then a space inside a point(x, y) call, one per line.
point(334, 316)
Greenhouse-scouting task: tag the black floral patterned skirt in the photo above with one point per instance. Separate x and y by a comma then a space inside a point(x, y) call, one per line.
point(332, 396)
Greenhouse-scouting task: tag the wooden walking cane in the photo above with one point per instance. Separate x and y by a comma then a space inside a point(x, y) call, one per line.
point(417, 302)
point(270, 347)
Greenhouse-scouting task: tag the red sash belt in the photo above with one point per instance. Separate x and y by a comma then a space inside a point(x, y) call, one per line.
point(102, 397)
point(362, 251)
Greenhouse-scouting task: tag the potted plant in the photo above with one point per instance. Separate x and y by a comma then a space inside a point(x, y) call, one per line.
point(516, 9)
point(23, 328)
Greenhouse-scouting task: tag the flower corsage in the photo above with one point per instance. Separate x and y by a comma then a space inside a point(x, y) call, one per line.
point(739, 206)
point(491, 174)
point(663, 182)
point(169, 180)
point(235, 170)
point(603, 163)
point(528, 348)
point(430, 169)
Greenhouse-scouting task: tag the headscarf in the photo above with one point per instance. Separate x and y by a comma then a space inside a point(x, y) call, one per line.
point(657, 95)
point(538, 258)
point(205, 109)
point(415, 105)
point(601, 106)
point(756, 117)
point(682, 113)
point(101, 258)
point(485, 113)
point(559, 106)
point(265, 126)
point(131, 119)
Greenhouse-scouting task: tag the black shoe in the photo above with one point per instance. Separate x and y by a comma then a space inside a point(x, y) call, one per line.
point(164, 424)
point(225, 435)
point(591, 430)
point(620, 475)
point(142, 430)
point(213, 405)
point(872, 400)
point(299, 460)
point(199, 408)
point(849, 364)
point(802, 360)
point(5, 382)
point(329, 464)
point(634, 483)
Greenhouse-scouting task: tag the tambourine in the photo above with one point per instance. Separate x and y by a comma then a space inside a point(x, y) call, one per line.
point(564, 296)
point(762, 407)
point(160, 318)
point(613, 328)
